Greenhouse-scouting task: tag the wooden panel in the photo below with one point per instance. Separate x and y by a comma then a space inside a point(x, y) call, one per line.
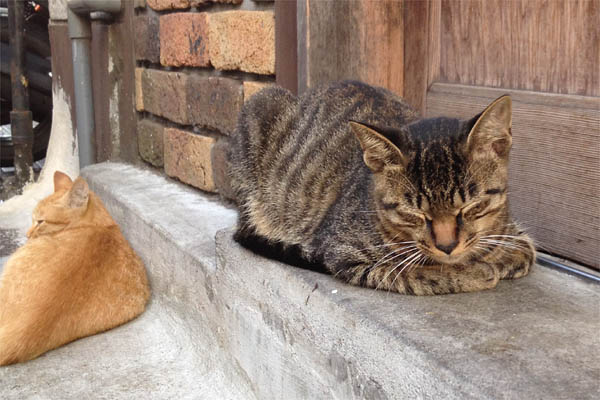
point(101, 90)
point(122, 75)
point(62, 67)
point(421, 49)
point(416, 34)
point(286, 59)
point(542, 45)
point(351, 40)
point(554, 174)
point(434, 41)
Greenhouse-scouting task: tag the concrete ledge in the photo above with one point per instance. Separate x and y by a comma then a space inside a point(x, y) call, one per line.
point(533, 338)
point(255, 328)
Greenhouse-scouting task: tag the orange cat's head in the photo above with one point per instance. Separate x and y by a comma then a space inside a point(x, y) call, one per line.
point(63, 208)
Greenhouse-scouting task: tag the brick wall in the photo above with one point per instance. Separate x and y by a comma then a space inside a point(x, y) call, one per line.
point(197, 61)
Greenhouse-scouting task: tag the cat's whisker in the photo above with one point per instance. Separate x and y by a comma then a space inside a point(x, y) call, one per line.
point(407, 259)
point(414, 262)
point(406, 266)
point(396, 255)
point(403, 184)
point(516, 237)
point(388, 244)
point(497, 242)
point(510, 245)
point(415, 252)
point(419, 265)
point(515, 243)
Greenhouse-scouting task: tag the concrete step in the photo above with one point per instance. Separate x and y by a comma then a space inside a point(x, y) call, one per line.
point(225, 323)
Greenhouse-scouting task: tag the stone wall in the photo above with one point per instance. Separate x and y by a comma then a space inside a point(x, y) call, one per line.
point(197, 61)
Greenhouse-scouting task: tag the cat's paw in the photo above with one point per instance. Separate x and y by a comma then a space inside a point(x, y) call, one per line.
point(518, 270)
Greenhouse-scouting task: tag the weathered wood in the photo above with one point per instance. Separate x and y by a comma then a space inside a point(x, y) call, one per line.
point(351, 40)
point(122, 80)
point(554, 174)
point(101, 90)
point(434, 41)
point(416, 41)
point(542, 45)
point(62, 67)
point(286, 56)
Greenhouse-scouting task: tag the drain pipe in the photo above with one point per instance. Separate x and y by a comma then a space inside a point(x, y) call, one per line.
point(80, 32)
point(20, 117)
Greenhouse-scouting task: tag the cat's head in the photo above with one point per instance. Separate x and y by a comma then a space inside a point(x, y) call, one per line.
point(63, 208)
point(441, 181)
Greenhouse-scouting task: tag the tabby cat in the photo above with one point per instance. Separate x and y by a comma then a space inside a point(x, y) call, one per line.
point(74, 277)
point(349, 179)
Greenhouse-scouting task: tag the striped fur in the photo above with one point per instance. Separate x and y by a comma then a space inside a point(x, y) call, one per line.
point(348, 179)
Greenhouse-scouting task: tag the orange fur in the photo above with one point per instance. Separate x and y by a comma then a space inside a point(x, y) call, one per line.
point(76, 276)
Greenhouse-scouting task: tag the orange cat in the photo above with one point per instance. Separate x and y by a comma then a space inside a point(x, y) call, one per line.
point(76, 276)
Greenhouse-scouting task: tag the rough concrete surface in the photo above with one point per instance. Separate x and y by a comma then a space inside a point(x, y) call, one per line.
point(250, 327)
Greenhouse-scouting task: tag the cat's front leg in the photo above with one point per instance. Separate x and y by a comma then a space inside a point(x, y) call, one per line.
point(515, 255)
point(445, 279)
point(426, 280)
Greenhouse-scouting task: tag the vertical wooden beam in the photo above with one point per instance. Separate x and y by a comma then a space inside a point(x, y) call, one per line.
point(302, 18)
point(101, 90)
point(416, 57)
point(122, 81)
point(434, 41)
point(286, 45)
point(361, 40)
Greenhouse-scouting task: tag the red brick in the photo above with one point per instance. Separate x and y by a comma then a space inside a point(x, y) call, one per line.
point(161, 5)
point(183, 40)
point(200, 3)
point(164, 94)
point(252, 87)
point(214, 102)
point(147, 42)
point(189, 99)
point(243, 40)
point(139, 98)
point(219, 165)
point(188, 158)
point(150, 141)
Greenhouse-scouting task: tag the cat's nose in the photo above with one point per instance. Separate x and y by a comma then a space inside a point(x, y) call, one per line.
point(447, 248)
point(444, 232)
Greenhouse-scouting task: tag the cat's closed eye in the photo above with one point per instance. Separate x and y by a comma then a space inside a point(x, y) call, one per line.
point(476, 210)
point(409, 219)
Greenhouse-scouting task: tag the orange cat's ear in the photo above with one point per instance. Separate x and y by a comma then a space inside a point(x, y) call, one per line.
point(491, 135)
point(79, 194)
point(61, 181)
point(377, 150)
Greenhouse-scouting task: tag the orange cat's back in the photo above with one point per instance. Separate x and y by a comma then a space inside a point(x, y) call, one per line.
point(73, 278)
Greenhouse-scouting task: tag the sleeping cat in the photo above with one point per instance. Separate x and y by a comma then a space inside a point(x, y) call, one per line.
point(349, 179)
point(74, 277)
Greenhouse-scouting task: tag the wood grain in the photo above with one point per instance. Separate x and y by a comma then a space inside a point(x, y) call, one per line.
point(358, 39)
point(542, 45)
point(101, 91)
point(434, 41)
point(416, 43)
point(286, 56)
point(554, 167)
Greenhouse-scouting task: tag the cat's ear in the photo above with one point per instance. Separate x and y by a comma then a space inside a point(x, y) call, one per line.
point(491, 135)
point(378, 151)
point(79, 194)
point(61, 181)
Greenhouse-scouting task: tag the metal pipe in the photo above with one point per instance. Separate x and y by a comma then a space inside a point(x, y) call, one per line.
point(20, 117)
point(547, 262)
point(80, 33)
